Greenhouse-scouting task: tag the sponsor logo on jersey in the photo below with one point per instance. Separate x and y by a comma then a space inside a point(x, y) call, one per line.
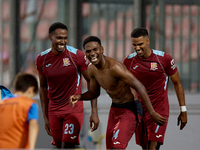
point(116, 142)
point(153, 66)
point(66, 62)
point(173, 66)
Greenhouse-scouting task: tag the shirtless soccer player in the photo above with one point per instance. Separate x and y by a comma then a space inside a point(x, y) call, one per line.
point(113, 76)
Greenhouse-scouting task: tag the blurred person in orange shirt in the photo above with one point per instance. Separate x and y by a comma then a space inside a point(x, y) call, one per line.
point(19, 114)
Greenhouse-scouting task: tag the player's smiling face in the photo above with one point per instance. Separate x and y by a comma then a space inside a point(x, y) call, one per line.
point(59, 40)
point(93, 52)
point(141, 45)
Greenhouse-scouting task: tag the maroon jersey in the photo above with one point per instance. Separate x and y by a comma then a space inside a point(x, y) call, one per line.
point(63, 78)
point(153, 73)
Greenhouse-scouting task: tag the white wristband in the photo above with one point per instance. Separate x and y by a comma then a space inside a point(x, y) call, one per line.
point(183, 108)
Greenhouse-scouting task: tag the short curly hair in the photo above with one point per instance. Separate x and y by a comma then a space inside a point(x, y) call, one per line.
point(57, 25)
point(91, 39)
point(139, 32)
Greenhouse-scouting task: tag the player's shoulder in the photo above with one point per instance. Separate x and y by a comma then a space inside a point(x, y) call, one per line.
point(40, 58)
point(129, 58)
point(161, 54)
point(91, 66)
point(158, 53)
point(91, 69)
point(44, 53)
point(114, 64)
point(72, 49)
point(132, 55)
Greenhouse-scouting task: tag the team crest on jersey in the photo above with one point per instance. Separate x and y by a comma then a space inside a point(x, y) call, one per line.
point(66, 62)
point(153, 66)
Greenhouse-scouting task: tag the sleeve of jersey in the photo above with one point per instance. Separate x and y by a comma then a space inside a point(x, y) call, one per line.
point(39, 64)
point(33, 112)
point(125, 62)
point(82, 61)
point(170, 64)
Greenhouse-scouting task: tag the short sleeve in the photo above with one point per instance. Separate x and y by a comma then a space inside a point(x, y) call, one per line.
point(170, 65)
point(33, 112)
point(128, 62)
point(39, 64)
point(82, 61)
point(125, 61)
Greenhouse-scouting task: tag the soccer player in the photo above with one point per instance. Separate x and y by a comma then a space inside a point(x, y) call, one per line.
point(19, 114)
point(153, 69)
point(113, 76)
point(59, 70)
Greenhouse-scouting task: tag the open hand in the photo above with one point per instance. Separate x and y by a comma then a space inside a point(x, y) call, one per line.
point(183, 119)
point(73, 99)
point(158, 119)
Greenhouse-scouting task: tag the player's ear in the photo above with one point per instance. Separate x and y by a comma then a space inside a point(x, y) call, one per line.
point(50, 37)
point(30, 92)
point(148, 41)
point(102, 49)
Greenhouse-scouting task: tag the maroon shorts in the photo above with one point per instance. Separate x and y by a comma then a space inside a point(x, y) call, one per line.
point(121, 126)
point(147, 130)
point(66, 128)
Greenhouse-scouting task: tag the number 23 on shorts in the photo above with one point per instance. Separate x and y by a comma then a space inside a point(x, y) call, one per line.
point(69, 128)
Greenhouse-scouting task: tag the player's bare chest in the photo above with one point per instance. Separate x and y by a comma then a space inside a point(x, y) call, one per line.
point(105, 79)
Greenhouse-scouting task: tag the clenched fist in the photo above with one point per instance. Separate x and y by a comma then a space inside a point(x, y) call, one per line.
point(73, 99)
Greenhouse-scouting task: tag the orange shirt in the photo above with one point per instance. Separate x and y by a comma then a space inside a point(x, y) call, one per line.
point(13, 122)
